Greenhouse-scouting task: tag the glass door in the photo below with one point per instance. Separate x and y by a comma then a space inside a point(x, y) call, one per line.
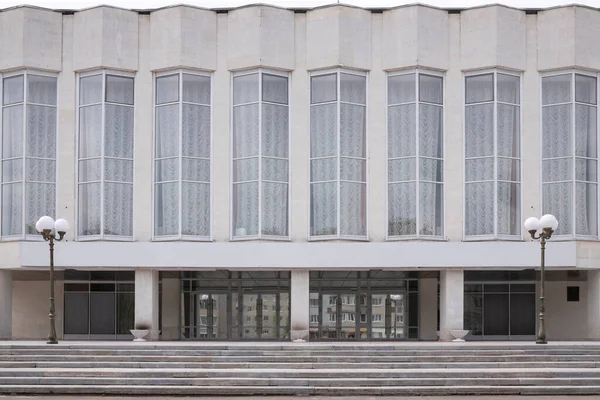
point(388, 315)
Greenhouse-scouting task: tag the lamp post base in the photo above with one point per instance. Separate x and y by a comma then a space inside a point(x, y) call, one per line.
point(52, 341)
point(541, 341)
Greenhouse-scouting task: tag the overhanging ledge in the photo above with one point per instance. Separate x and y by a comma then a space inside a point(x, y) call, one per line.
point(167, 255)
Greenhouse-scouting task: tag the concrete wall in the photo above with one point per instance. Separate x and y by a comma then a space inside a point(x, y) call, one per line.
point(171, 299)
point(30, 309)
point(566, 320)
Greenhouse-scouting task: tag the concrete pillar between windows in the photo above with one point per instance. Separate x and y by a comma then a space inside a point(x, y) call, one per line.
point(300, 304)
point(146, 300)
point(171, 295)
point(593, 306)
point(428, 308)
point(451, 302)
point(5, 304)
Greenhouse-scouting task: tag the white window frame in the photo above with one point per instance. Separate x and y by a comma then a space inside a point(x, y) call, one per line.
point(338, 101)
point(180, 102)
point(417, 72)
point(260, 235)
point(25, 73)
point(102, 236)
point(314, 318)
point(572, 103)
point(495, 236)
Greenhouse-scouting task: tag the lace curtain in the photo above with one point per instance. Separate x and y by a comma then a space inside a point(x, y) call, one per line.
point(105, 197)
point(31, 185)
point(260, 143)
point(492, 155)
point(415, 129)
point(187, 148)
point(338, 176)
point(570, 156)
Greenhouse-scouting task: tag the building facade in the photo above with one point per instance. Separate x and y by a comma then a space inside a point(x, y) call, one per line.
point(353, 174)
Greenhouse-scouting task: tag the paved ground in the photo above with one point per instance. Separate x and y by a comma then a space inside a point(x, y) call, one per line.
point(307, 398)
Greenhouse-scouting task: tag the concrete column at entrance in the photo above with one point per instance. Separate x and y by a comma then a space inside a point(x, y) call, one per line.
point(428, 308)
point(146, 300)
point(171, 295)
point(5, 304)
point(451, 302)
point(593, 306)
point(300, 301)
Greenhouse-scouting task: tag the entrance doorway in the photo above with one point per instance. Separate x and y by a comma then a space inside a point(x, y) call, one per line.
point(368, 305)
point(226, 305)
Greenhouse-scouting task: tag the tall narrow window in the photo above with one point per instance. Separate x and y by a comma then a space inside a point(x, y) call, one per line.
point(492, 156)
point(570, 152)
point(182, 206)
point(415, 155)
point(260, 155)
point(338, 166)
point(105, 156)
point(28, 152)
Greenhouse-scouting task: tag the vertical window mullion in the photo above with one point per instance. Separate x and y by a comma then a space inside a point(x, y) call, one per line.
point(102, 140)
point(339, 143)
point(573, 156)
point(24, 160)
point(260, 128)
point(495, 150)
point(180, 158)
point(417, 160)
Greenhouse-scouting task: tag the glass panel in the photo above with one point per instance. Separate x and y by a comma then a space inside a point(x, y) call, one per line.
point(12, 170)
point(90, 90)
point(479, 130)
point(118, 141)
point(245, 131)
point(89, 209)
point(586, 131)
point(479, 208)
point(508, 169)
point(245, 89)
point(402, 131)
point(402, 209)
point(41, 131)
point(252, 316)
point(323, 130)
point(508, 89)
point(480, 88)
point(479, 169)
point(586, 170)
point(90, 131)
point(509, 208)
point(556, 89)
point(473, 314)
point(119, 89)
point(118, 209)
point(275, 169)
point(323, 88)
point(353, 169)
point(13, 90)
point(323, 209)
point(195, 125)
point(431, 209)
point(522, 314)
point(353, 88)
point(413, 311)
point(324, 169)
point(195, 209)
point(12, 128)
point(41, 90)
point(557, 200)
point(167, 89)
point(76, 313)
point(560, 169)
point(118, 170)
point(585, 89)
point(431, 170)
point(166, 209)
point(12, 209)
point(401, 89)
point(275, 89)
point(195, 169)
point(196, 89)
point(352, 130)
point(431, 89)
point(496, 314)
point(275, 123)
point(586, 204)
point(274, 209)
point(245, 170)
point(125, 313)
point(245, 209)
point(41, 200)
point(284, 316)
point(102, 307)
point(166, 170)
point(430, 131)
point(508, 136)
point(402, 169)
point(353, 199)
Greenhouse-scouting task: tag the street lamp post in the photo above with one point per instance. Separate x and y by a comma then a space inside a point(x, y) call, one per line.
point(542, 229)
point(52, 230)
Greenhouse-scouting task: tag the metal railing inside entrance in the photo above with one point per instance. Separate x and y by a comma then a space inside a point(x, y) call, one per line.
point(232, 305)
point(368, 305)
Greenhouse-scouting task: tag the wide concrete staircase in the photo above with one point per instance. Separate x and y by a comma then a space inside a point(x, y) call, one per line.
point(325, 369)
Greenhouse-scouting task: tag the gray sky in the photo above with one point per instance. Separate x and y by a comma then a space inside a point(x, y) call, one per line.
point(149, 4)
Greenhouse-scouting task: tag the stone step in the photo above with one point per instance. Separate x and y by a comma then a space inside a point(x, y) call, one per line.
point(295, 365)
point(302, 390)
point(338, 381)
